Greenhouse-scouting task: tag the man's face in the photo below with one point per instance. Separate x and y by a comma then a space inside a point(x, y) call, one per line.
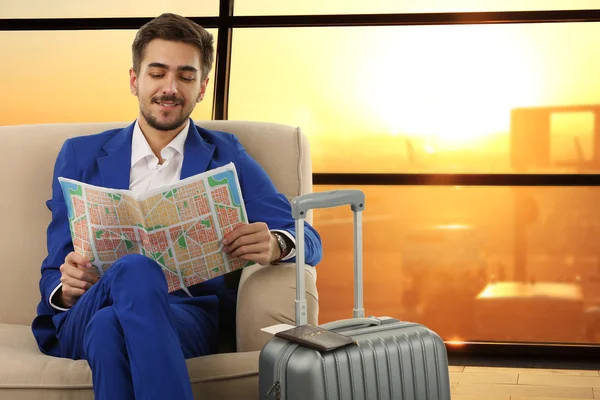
point(169, 83)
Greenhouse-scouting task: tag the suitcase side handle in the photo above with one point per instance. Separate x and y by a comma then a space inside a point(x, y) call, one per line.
point(346, 323)
point(333, 198)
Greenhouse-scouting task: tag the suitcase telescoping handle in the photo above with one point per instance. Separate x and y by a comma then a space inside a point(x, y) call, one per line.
point(333, 198)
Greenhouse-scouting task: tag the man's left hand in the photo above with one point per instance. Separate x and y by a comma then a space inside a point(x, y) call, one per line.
point(252, 242)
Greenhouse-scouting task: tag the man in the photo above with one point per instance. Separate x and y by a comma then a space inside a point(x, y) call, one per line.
point(134, 335)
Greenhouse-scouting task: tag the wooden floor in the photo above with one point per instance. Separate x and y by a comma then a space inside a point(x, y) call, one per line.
point(488, 383)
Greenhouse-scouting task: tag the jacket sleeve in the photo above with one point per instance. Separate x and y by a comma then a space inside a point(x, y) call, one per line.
point(265, 204)
point(59, 242)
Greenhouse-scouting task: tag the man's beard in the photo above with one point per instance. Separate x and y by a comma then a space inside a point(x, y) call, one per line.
point(154, 123)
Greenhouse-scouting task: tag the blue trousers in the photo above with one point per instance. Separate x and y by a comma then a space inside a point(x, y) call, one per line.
point(136, 337)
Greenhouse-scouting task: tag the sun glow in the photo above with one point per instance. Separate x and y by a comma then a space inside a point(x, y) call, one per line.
point(455, 95)
point(456, 342)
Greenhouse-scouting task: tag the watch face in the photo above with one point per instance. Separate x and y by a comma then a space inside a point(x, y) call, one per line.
point(281, 242)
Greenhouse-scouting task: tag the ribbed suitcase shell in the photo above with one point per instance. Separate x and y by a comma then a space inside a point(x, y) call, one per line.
point(396, 360)
point(390, 360)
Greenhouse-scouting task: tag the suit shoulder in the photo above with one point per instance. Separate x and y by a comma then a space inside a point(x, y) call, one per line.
point(95, 140)
point(225, 142)
point(217, 137)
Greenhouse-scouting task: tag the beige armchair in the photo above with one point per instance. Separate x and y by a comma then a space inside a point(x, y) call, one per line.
point(266, 293)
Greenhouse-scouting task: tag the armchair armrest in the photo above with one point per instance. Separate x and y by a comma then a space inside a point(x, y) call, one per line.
point(266, 296)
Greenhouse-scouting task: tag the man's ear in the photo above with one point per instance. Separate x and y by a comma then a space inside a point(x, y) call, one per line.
point(202, 91)
point(133, 82)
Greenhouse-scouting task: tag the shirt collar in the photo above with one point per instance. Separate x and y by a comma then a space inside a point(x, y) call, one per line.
point(140, 148)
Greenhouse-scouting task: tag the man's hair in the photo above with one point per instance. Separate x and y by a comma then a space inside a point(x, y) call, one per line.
point(176, 28)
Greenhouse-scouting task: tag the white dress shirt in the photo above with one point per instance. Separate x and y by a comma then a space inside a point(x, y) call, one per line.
point(147, 174)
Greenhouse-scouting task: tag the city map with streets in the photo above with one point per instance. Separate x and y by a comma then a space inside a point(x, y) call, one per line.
point(179, 226)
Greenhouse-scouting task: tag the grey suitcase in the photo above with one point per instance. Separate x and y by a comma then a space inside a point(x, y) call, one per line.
point(390, 359)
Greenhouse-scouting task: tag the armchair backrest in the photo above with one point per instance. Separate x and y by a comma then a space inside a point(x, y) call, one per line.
point(26, 171)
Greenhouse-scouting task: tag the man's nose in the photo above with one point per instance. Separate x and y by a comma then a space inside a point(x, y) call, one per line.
point(170, 85)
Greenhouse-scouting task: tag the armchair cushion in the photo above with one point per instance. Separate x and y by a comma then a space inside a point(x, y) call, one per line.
point(25, 373)
point(266, 297)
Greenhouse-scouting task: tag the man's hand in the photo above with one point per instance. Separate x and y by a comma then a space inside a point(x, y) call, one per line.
point(252, 242)
point(76, 278)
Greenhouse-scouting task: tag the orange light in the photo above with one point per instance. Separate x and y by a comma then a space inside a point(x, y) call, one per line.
point(453, 226)
point(456, 342)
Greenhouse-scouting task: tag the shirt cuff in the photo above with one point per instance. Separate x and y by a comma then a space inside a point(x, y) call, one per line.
point(292, 238)
point(52, 295)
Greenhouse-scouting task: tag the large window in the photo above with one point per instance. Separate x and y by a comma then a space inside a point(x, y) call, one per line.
point(404, 98)
point(473, 263)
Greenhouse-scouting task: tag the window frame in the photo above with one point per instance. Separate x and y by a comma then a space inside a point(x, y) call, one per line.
point(226, 23)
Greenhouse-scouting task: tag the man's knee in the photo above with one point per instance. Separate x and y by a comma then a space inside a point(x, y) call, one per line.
point(137, 262)
point(139, 269)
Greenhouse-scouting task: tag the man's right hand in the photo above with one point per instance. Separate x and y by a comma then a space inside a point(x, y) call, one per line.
point(76, 277)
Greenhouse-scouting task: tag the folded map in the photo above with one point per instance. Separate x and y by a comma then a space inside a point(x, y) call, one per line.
point(180, 226)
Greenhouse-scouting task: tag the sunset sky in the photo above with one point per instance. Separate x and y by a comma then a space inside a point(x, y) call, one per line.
point(450, 85)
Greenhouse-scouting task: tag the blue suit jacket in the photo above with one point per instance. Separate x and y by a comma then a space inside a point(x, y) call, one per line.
point(104, 159)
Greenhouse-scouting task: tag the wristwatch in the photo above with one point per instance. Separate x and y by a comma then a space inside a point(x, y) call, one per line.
point(283, 246)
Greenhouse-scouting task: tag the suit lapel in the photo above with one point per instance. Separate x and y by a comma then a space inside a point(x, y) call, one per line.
point(115, 167)
point(197, 153)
